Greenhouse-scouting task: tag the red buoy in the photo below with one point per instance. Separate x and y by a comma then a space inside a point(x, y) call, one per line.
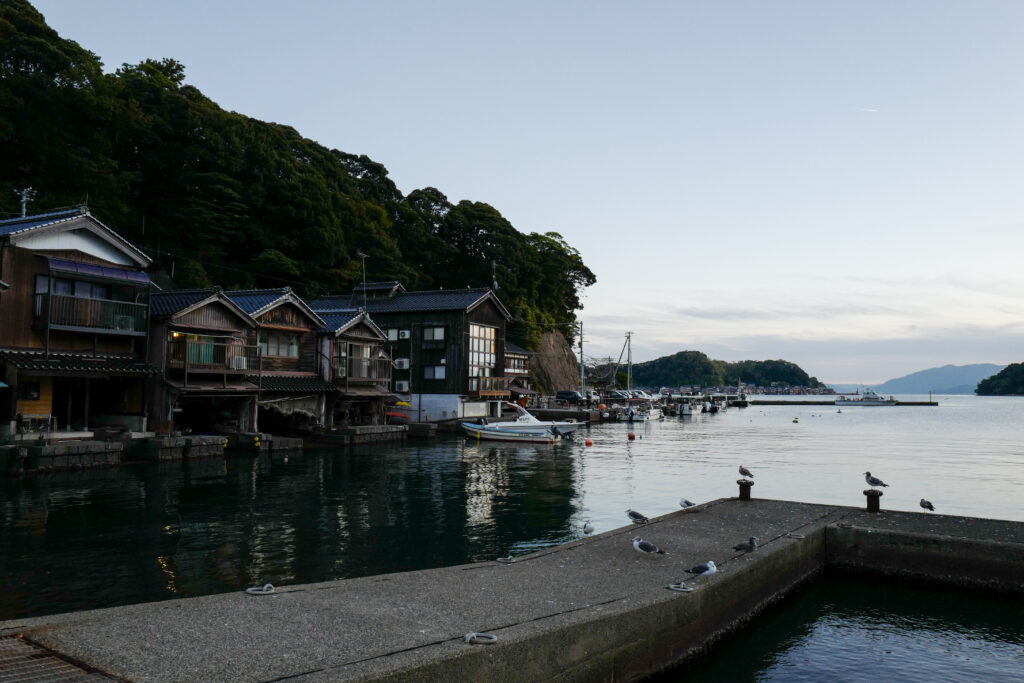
point(589, 442)
point(632, 436)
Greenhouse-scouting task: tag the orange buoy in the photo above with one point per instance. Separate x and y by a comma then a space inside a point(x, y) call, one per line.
point(602, 407)
point(632, 436)
point(589, 442)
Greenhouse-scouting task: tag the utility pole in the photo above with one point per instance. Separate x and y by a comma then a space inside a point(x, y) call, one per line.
point(26, 194)
point(360, 254)
point(629, 361)
point(583, 379)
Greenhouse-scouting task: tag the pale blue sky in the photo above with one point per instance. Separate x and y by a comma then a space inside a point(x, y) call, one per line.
point(834, 183)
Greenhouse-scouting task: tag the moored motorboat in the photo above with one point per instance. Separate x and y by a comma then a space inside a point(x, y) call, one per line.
point(494, 433)
point(870, 398)
point(525, 422)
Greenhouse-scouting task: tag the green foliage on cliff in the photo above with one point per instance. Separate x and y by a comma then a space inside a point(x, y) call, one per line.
point(1007, 382)
point(695, 368)
point(234, 201)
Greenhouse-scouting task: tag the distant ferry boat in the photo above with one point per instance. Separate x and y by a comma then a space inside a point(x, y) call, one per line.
point(869, 398)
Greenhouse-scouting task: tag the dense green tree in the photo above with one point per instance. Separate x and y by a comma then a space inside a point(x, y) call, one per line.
point(695, 368)
point(1007, 382)
point(216, 197)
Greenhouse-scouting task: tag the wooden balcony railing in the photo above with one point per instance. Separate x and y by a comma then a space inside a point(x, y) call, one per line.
point(366, 370)
point(103, 315)
point(227, 358)
point(489, 386)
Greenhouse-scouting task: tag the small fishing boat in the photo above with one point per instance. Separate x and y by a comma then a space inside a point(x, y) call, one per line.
point(870, 398)
point(494, 433)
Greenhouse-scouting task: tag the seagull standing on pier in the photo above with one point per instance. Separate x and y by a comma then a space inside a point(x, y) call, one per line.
point(588, 528)
point(873, 481)
point(642, 546)
point(706, 569)
point(684, 503)
point(927, 505)
point(745, 472)
point(636, 517)
point(748, 547)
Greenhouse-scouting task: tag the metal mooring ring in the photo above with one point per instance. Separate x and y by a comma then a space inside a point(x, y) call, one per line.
point(480, 638)
point(265, 589)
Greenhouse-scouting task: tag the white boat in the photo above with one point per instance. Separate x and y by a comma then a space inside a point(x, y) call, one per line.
point(492, 433)
point(525, 422)
point(645, 414)
point(869, 398)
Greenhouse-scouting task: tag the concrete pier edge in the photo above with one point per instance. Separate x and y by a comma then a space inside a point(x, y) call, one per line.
point(589, 610)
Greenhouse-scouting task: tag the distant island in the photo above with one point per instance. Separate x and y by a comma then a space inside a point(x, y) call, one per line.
point(693, 368)
point(1007, 382)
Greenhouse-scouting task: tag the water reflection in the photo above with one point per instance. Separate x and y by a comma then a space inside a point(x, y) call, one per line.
point(98, 538)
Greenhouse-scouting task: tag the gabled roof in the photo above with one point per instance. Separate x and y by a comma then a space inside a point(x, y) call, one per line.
point(24, 224)
point(339, 323)
point(406, 302)
point(181, 301)
point(256, 302)
point(515, 348)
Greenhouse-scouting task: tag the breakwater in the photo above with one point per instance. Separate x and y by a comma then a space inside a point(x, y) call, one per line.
point(592, 609)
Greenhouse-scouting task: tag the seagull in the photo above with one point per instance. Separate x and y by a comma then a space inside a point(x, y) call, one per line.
point(927, 505)
point(745, 472)
point(748, 547)
point(873, 481)
point(642, 546)
point(588, 528)
point(636, 517)
point(684, 503)
point(705, 569)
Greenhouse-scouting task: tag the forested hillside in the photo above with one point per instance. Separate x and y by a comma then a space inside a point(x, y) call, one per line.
point(695, 368)
point(1007, 382)
point(225, 199)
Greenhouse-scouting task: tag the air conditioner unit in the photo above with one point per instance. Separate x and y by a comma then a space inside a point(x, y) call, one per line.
point(339, 372)
point(402, 386)
point(124, 322)
point(402, 363)
point(403, 334)
point(237, 362)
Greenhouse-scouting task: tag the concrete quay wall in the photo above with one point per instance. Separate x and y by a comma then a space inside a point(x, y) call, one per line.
point(589, 610)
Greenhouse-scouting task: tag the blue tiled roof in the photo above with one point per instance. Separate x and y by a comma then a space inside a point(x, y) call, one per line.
point(515, 348)
point(252, 300)
point(430, 300)
point(379, 286)
point(335, 321)
point(169, 303)
point(9, 226)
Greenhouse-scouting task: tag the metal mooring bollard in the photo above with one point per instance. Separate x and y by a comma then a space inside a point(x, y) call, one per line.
point(873, 496)
point(745, 485)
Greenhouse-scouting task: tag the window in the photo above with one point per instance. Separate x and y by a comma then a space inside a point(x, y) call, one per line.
point(281, 344)
point(482, 356)
point(433, 334)
point(28, 391)
point(393, 334)
point(433, 372)
point(79, 289)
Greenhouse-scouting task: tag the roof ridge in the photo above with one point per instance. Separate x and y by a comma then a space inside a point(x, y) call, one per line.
point(73, 211)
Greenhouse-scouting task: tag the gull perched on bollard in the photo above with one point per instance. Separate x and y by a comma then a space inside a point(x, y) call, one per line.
point(873, 481)
point(636, 517)
point(927, 505)
point(745, 472)
point(747, 547)
point(588, 528)
point(642, 546)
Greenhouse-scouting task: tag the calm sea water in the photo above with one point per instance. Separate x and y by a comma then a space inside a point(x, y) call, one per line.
point(89, 539)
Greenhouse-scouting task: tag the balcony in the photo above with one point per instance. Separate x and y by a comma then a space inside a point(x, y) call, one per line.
point(213, 358)
point(497, 387)
point(77, 314)
point(356, 370)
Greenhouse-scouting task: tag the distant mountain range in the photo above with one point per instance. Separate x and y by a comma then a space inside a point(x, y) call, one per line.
point(949, 379)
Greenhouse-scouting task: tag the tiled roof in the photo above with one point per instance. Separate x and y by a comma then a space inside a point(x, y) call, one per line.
point(9, 226)
point(77, 363)
point(252, 300)
point(336, 321)
point(515, 348)
point(293, 384)
point(430, 300)
point(13, 226)
point(379, 286)
point(170, 302)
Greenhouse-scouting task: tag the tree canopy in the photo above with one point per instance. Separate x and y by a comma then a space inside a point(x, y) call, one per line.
point(221, 198)
point(696, 369)
point(1007, 382)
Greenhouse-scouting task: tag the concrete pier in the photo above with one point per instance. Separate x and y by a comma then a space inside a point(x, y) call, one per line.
point(590, 610)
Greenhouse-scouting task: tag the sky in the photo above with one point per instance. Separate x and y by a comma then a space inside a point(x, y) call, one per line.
point(837, 184)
